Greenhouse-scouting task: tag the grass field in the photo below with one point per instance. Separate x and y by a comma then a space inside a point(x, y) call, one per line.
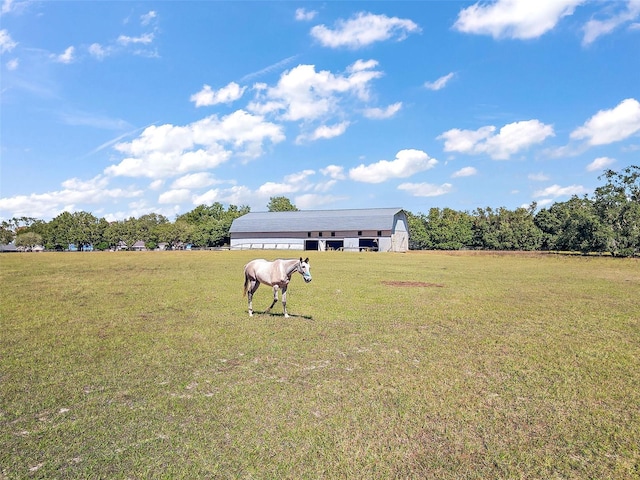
point(417, 365)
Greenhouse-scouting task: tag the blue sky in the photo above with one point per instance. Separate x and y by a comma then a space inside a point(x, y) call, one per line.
point(125, 108)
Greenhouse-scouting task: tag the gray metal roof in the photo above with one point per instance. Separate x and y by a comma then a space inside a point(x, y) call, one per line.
point(316, 220)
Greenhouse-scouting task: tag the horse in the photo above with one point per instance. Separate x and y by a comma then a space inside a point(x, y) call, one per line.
point(276, 274)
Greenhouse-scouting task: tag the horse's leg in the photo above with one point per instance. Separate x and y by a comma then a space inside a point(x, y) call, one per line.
point(284, 301)
point(253, 286)
point(275, 298)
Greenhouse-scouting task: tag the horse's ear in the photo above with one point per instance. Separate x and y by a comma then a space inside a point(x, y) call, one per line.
point(300, 259)
point(306, 260)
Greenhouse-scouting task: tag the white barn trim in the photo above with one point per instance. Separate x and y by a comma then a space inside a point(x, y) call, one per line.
point(377, 229)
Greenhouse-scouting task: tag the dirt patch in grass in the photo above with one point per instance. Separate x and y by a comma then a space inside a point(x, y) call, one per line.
point(395, 283)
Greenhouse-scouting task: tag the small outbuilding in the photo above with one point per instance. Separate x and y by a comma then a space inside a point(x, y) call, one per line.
point(371, 229)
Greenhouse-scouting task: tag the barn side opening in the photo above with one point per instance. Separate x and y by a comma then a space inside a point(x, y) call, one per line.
point(311, 245)
point(368, 244)
point(335, 244)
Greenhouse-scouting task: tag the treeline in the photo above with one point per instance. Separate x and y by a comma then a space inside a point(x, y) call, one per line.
point(204, 226)
point(607, 222)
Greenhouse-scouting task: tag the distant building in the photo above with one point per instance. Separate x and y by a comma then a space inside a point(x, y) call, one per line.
point(371, 229)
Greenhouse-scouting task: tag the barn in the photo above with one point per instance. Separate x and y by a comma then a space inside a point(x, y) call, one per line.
point(371, 229)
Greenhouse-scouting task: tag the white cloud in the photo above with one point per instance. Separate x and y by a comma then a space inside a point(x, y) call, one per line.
point(147, 18)
point(75, 193)
point(312, 200)
point(333, 171)
point(98, 51)
point(194, 180)
point(144, 39)
point(512, 138)
point(13, 64)
point(207, 97)
point(6, 42)
point(600, 163)
point(608, 126)
point(168, 150)
point(596, 28)
point(305, 15)
point(304, 94)
point(363, 29)
point(324, 132)
point(295, 182)
point(521, 19)
point(558, 191)
point(380, 113)
point(179, 195)
point(407, 163)
point(66, 56)
point(426, 189)
point(538, 177)
point(440, 83)
point(465, 172)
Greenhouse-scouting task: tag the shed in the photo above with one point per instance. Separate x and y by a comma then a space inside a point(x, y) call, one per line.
point(371, 229)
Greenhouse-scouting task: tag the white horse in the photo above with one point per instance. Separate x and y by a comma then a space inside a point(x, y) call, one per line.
point(276, 274)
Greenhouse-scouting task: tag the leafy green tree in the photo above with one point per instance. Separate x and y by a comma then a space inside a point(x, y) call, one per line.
point(617, 204)
point(6, 233)
point(28, 240)
point(175, 233)
point(448, 229)
point(210, 224)
point(418, 238)
point(281, 204)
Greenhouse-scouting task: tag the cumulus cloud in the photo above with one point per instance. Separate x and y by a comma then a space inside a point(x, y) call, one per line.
point(407, 163)
point(519, 19)
point(66, 57)
point(333, 171)
point(305, 15)
point(194, 180)
point(295, 182)
point(440, 83)
point(74, 192)
point(169, 150)
point(608, 126)
point(596, 28)
point(381, 113)
point(425, 189)
point(600, 163)
point(363, 29)
point(512, 138)
point(6, 42)
point(179, 195)
point(465, 172)
point(303, 94)
point(207, 96)
point(324, 132)
point(314, 200)
point(558, 191)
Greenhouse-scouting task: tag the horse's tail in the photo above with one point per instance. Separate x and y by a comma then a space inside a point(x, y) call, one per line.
point(246, 282)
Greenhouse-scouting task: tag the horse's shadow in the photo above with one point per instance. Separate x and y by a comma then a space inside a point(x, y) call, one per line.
point(291, 315)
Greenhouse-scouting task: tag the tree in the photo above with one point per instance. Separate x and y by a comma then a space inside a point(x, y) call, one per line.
point(281, 204)
point(28, 240)
point(617, 204)
point(210, 224)
point(418, 238)
point(448, 229)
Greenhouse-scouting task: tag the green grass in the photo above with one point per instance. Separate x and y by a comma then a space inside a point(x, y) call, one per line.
point(147, 365)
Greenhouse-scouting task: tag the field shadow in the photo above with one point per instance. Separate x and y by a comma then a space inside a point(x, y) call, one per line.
point(291, 315)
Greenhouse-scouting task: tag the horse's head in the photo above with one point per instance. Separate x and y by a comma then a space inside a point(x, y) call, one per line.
point(305, 269)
